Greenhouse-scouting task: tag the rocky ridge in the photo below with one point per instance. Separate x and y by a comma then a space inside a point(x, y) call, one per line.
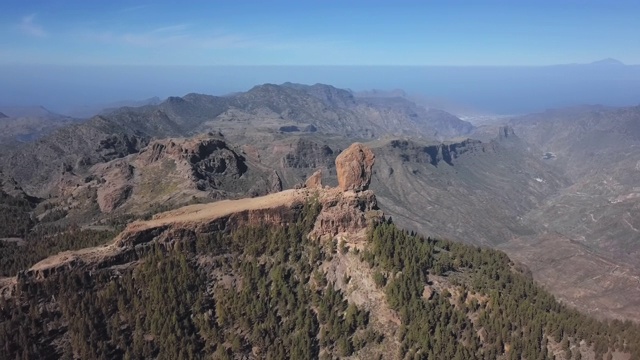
point(344, 213)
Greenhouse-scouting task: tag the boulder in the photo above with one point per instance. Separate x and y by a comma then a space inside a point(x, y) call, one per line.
point(314, 181)
point(354, 167)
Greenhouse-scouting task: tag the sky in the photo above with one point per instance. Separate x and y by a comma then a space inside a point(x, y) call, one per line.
point(498, 56)
point(307, 32)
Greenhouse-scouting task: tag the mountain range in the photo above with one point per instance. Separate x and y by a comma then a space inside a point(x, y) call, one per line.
point(313, 272)
point(554, 190)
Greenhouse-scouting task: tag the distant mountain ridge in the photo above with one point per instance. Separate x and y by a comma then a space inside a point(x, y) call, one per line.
point(264, 108)
point(99, 109)
point(27, 123)
point(28, 111)
point(608, 62)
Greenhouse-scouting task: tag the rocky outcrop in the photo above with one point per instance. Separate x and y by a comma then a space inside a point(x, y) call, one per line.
point(346, 213)
point(170, 172)
point(213, 156)
point(270, 185)
point(203, 166)
point(314, 181)
point(120, 145)
point(203, 159)
point(116, 187)
point(354, 167)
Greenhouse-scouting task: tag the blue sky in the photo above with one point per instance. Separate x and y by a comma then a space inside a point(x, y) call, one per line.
point(326, 32)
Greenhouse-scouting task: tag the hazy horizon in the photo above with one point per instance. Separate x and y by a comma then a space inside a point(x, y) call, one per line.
point(492, 89)
point(493, 55)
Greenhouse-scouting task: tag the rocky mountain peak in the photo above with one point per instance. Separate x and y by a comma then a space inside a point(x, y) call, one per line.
point(3, 116)
point(354, 167)
point(175, 100)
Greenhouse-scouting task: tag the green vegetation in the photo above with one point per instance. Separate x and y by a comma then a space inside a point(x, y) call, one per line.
point(151, 187)
point(15, 216)
point(249, 291)
point(41, 244)
point(516, 317)
point(259, 291)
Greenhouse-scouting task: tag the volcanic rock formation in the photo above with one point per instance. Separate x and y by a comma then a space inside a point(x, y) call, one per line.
point(354, 167)
point(314, 181)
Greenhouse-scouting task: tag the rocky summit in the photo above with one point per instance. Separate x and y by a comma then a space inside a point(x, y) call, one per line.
point(354, 167)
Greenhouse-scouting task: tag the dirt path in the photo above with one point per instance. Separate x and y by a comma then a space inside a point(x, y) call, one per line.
point(193, 213)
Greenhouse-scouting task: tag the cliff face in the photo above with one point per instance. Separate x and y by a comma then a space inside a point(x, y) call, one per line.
point(116, 188)
point(307, 154)
point(437, 153)
point(346, 215)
